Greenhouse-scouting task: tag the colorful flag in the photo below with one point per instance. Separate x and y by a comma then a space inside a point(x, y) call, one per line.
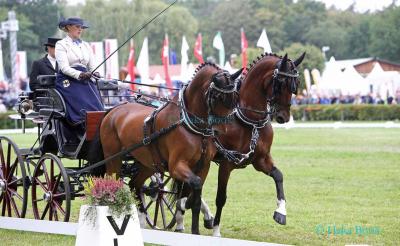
point(198, 51)
point(219, 45)
point(184, 56)
point(244, 46)
point(98, 55)
point(142, 65)
point(263, 42)
point(165, 61)
point(112, 65)
point(131, 64)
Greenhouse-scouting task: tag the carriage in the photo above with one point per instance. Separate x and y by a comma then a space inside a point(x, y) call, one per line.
point(51, 172)
point(265, 91)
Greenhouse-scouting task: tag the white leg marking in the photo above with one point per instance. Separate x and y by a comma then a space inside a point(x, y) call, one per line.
point(216, 231)
point(281, 207)
point(205, 209)
point(179, 221)
point(182, 203)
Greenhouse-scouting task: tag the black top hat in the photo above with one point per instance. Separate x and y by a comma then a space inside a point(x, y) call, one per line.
point(72, 21)
point(51, 42)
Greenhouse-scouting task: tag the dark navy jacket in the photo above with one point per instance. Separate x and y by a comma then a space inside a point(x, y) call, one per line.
point(79, 96)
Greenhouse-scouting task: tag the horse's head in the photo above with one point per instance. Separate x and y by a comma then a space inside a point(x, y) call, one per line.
point(222, 93)
point(209, 98)
point(283, 84)
point(267, 89)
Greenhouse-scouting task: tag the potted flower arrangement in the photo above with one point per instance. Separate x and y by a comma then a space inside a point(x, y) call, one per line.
point(109, 215)
point(107, 191)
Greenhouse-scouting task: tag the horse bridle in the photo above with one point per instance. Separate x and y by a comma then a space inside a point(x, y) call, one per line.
point(190, 120)
point(276, 81)
point(272, 105)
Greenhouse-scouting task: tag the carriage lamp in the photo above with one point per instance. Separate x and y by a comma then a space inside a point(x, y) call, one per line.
point(25, 107)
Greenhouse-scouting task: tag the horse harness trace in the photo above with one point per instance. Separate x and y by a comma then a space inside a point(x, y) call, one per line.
point(190, 122)
point(242, 160)
point(151, 136)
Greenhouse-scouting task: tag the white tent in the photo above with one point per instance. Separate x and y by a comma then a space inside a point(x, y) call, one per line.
point(354, 83)
point(332, 78)
point(383, 83)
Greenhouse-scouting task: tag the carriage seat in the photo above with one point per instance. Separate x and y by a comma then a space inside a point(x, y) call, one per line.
point(50, 103)
point(47, 81)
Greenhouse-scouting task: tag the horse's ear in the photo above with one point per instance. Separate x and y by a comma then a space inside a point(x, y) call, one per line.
point(283, 66)
point(299, 60)
point(236, 74)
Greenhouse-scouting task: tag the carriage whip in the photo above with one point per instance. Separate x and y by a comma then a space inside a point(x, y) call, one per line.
point(141, 28)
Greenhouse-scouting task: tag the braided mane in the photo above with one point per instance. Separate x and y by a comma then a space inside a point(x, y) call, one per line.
point(201, 66)
point(255, 61)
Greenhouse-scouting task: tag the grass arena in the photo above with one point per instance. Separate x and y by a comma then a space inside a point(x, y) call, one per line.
point(342, 187)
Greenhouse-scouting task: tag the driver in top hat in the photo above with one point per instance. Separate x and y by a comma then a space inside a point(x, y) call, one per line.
point(47, 65)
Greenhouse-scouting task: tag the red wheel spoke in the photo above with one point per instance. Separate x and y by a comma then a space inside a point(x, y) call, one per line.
point(1, 153)
point(55, 215)
point(58, 206)
point(8, 205)
point(12, 169)
point(15, 181)
point(41, 184)
point(46, 175)
point(3, 209)
point(15, 193)
point(58, 195)
point(37, 200)
point(51, 211)
point(14, 206)
point(1, 197)
point(51, 174)
point(8, 155)
point(45, 211)
point(55, 186)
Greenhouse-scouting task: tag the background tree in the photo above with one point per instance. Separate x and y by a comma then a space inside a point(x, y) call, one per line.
point(385, 35)
point(121, 18)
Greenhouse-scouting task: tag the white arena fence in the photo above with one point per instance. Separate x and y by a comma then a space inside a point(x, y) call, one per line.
point(149, 236)
point(289, 125)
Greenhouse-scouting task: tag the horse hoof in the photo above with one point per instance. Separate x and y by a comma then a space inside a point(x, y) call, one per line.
point(280, 218)
point(208, 224)
point(179, 230)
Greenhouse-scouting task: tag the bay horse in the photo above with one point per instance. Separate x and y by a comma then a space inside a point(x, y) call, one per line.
point(186, 149)
point(265, 92)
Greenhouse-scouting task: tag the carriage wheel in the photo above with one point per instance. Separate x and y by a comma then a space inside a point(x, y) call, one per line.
point(158, 198)
point(51, 197)
point(14, 184)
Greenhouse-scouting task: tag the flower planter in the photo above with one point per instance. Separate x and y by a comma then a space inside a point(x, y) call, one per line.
point(105, 229)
